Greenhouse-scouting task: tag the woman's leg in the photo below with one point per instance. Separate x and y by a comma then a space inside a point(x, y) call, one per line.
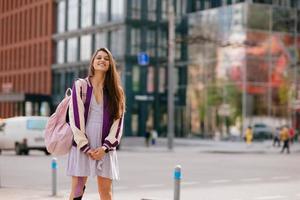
point(104, 188)
point(78, 186)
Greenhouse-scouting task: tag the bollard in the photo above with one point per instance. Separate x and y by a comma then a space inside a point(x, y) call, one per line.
point(177, 178)
point(54, 176)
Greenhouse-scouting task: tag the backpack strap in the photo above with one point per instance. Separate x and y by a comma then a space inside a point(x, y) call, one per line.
point(86, 94)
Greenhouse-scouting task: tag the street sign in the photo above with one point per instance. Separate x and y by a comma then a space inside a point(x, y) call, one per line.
point(143, 58)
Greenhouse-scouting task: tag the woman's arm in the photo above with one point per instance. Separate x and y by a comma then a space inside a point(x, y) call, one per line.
point(115, 134)
point(76, 116)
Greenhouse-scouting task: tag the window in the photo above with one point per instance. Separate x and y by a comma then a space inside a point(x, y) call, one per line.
point(162, 80)
point(72, 50)
point(135, 78)
point(101, 40)
point(69, 79)
point(56, 83)
point(83, 72)
point(86, 13)
point(283, 20)
point(101, 12)
point(164, 9)
point(152, 10)
point(73, 15)
point(117, 10)
point(36, 124)
point(60, 52)
point(85, 47)
point(178, 48)
point(259, 17)
point(135, 40)
point(151, 42)
point(117, 42)
point(181, 6)
point(150, 79)
point(61, 16)
point(136, 9)
point(162, 43)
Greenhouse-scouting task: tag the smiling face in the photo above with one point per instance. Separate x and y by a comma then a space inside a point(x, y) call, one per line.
point(101, 61)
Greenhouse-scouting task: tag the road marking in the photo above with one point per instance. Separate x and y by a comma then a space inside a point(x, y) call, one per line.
point(252, 179)
point(151, 185)
point(280, 177)
point(221, 181)
point(189, 183)
point(271, 197)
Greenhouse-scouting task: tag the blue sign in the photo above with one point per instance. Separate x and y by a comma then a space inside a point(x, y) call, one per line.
point(143, 58)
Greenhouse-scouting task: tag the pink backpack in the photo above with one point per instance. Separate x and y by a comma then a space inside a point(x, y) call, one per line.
point(58, 133)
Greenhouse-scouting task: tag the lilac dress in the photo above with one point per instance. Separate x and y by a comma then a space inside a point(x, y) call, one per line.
point(79, 164)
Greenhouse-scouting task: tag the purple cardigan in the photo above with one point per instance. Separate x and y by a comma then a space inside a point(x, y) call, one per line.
point(78, 113)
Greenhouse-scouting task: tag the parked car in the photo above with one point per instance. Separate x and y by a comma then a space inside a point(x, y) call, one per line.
point(262, 131)
point(23, 134)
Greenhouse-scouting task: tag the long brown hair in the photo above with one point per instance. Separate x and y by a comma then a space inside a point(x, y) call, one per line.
point(112, 86)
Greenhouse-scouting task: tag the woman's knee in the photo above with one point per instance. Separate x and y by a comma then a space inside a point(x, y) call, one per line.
point(105, 188)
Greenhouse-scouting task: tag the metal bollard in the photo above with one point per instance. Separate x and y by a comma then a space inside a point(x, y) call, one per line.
point(54, 176)
point(177, 178)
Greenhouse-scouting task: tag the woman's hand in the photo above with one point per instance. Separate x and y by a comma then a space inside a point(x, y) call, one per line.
point(98, 153)
point(90, 152)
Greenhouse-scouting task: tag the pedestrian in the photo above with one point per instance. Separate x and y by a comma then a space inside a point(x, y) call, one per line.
point(154, 136)
point(97, 126)
point(147, 136)
point(249, 135)
point(284, 136)
point(292, 134)
point(276, 137)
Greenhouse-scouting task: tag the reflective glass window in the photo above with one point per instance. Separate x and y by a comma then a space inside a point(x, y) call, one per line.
point(72, 50)
point(36, 124)
point(60, 51)
point(283, 19)
point(150, 79)
point(136, 9)
point(259, 17)
point(135, 78)
point(73, 15)
point(61, 18)
point(86, 13)
point(152, 10)
point(164, 9)
point(117, 10)
point(69, 78)
point(117, 42)
point(100, 40)
point(162, 43)
point(135, 40)
point(151, 42)
point(56, 83)
point(162, 80)
point(85, 47)
point(101, 13)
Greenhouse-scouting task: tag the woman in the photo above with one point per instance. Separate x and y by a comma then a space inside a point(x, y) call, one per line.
point(96, 119)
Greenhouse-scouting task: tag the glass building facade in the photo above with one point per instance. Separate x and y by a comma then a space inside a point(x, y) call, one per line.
point(126, 27)
point(243, 63)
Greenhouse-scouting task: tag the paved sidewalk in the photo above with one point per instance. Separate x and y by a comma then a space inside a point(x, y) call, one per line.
point(206, 146)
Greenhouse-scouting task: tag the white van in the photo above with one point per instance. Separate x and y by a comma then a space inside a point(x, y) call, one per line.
point(23, 134)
